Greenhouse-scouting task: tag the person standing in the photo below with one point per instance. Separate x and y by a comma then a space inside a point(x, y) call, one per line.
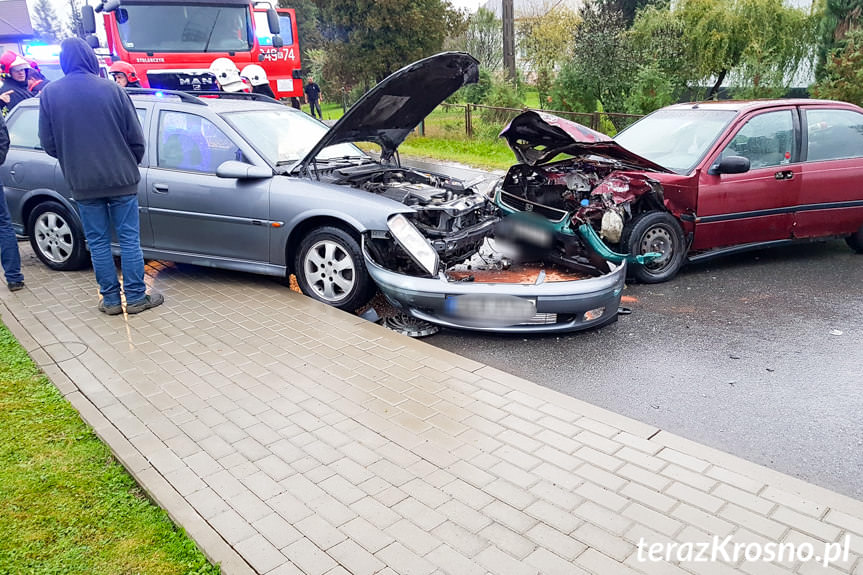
point(15, 85)
point(313, 95)
point(9, 256)
point(90, 125)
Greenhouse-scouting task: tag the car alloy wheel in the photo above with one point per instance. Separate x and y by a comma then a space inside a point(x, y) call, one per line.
point(330, 270)
point(57, 237)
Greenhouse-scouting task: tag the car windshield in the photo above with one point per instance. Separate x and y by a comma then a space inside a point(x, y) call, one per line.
point(286, 136)
point(675, 139)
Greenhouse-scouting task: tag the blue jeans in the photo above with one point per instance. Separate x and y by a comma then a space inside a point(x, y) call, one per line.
point(99, 216)
point(9, 256)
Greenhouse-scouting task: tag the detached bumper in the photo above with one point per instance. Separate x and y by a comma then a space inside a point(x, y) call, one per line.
point(543, 307)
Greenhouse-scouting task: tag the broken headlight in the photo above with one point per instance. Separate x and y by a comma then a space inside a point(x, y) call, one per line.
point(414, 243)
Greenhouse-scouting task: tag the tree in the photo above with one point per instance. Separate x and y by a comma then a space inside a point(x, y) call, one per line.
point(629, 8)
point(842, 78)
point(547, 39)
point(602, 64)
point(367, 40)
point(836, 19)
point(45, 22)
point(482, 39)
point(75, 25)
point(760, 43)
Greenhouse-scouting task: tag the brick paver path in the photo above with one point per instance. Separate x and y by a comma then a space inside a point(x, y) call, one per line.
point(288, 437)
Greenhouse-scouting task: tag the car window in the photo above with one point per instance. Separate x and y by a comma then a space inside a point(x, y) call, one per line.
point(834, 134)
point(191, 143)
point(142, 115)
point(767, 140)
point(24, 129)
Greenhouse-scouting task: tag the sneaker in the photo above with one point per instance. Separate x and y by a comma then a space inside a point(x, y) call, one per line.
point(110, 309)
point(15, 286)
point(149, 301)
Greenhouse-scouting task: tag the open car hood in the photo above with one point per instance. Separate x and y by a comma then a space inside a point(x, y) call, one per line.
point(387, 113)
point(537, 138)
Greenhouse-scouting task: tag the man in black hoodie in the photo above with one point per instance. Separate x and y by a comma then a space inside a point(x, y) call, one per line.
point(89, 124)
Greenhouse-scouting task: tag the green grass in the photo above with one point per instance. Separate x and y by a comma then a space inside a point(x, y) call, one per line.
point(478, 152)
point(66, 506)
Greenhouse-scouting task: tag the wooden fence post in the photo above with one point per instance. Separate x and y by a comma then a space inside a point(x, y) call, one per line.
point(468, 124)
point(594, 121)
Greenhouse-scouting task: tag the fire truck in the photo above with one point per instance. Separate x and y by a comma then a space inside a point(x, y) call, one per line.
point(172, 43)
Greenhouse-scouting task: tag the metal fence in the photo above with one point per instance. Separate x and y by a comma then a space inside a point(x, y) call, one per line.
point(471, 119)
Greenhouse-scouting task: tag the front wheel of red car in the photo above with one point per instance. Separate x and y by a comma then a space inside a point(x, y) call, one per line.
point(855, 241)
point(657, 232)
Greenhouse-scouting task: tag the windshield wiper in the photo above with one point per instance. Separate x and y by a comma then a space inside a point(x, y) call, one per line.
point(213, 29)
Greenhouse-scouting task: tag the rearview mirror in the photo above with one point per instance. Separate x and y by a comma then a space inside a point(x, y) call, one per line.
point(92, 41)
point(273, 22)
point(88, 19)
point(730, 165)
point(277, 41)
point(242, 171)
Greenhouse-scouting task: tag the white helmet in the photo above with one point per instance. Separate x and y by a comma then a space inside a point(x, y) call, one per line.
point(254, 74)
point(227, 75)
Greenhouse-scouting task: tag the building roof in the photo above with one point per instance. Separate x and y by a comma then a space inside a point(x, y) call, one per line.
point(14, 20)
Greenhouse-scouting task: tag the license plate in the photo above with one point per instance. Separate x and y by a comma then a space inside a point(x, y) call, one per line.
point(490, 310)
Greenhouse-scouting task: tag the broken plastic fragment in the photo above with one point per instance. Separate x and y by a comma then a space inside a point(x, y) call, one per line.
point(590, 236)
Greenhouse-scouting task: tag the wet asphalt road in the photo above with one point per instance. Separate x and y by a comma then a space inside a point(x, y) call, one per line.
point(742, 353)
point(738, 353)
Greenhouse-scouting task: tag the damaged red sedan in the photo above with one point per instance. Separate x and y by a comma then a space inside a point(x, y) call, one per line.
point(692, 181)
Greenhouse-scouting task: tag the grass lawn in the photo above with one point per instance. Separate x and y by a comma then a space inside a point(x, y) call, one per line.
point(66, 506)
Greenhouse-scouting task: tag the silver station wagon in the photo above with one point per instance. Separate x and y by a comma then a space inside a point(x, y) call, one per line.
point(244, 183)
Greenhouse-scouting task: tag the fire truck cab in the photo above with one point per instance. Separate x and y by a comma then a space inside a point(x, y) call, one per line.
point(172, 43)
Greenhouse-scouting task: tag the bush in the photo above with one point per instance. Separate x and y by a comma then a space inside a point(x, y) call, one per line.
point(503, 94)
point(474, 93)
point(843, 74)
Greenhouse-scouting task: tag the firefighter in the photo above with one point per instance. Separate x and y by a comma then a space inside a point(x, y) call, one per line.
point(227, 75)
point(14, 88)
point(124, 74)
point(35, 79)
point(257, 77)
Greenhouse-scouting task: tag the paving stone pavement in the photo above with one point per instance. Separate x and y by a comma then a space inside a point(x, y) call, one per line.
point(288, 437)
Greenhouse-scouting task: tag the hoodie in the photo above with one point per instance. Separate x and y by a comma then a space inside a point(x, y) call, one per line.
point(89, 124)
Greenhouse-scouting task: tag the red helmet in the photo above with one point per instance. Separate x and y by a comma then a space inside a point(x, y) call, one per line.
point(124, 68)
point(34, 65)
point(6, 61)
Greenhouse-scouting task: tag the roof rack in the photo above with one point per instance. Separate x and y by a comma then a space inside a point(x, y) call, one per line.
point(196, 97)
point(183, 96)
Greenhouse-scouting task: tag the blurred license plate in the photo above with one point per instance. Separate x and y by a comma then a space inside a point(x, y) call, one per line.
point(490, 310)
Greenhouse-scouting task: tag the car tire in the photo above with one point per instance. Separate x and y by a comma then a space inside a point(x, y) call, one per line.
point(57, 237)
point(330, 268)
point(655, 232)
point(855, 241)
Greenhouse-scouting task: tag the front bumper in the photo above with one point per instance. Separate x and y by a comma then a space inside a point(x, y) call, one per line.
point(559, 306)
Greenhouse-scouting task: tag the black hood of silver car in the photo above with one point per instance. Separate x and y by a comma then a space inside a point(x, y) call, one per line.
point(538, 137)
point(387, 113)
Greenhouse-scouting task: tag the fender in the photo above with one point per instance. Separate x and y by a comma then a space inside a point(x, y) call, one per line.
point(30, 199)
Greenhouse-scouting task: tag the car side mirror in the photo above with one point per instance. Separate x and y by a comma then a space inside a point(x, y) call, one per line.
point(92, 41)
point(242, 171)
point(730, 165)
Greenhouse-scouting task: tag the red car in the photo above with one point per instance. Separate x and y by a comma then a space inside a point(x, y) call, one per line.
point(692, 181)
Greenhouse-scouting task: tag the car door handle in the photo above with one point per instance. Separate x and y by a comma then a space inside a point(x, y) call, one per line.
point(160, 188)
point(784, 175)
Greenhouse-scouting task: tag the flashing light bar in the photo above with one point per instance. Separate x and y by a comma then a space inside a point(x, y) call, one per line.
point(42, 51)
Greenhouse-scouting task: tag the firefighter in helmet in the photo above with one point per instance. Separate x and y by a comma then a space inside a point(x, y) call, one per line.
point(124, 74)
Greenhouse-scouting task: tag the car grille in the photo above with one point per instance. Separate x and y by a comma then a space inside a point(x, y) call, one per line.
point(516, 203)
point(541, 319)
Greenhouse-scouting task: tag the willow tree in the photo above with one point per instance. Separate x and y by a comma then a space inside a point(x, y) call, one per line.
point(759, 43)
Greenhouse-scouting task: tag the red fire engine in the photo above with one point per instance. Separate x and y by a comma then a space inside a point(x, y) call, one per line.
point(172, 43)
